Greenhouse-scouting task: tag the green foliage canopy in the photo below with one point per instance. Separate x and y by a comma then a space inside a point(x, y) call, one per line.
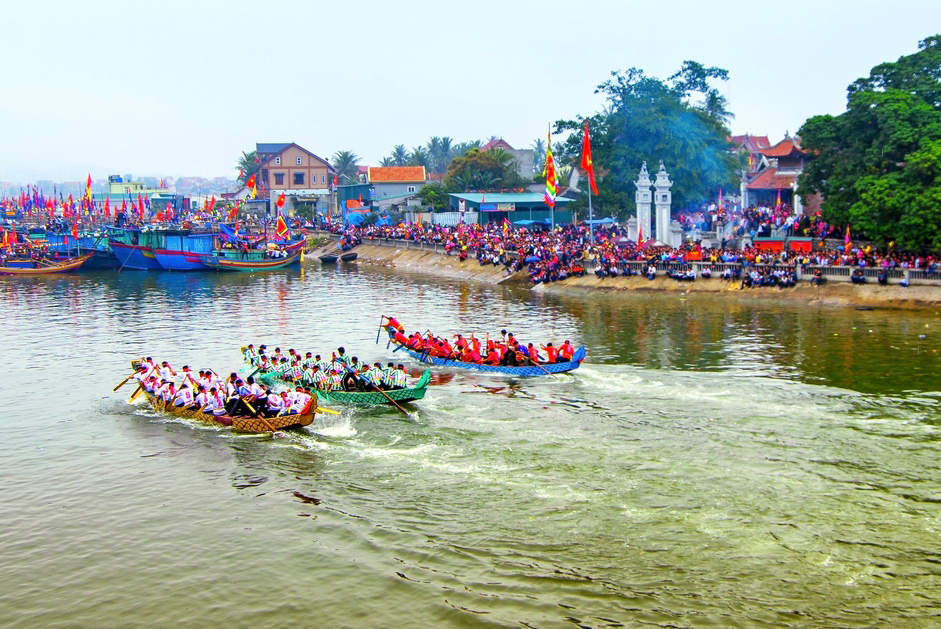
point(878, 164)
point(483, 170)
point(649, 119)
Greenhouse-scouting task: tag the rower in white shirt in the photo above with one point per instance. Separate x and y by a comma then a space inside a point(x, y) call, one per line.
point(301, 398)
point(166, 372)
point(202, 398)
point(183, 397)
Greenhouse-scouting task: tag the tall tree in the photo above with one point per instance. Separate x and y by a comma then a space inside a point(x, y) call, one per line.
point(347, 166)
point(399, 155)
point(248, 165)
point(539, 155)
point(479, 170)
point(434, 154)
point(418, 157)
point(649, 119)
point(878, 164)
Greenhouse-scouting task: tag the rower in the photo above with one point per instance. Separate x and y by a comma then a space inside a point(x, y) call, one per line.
point(183, 397)
point(201, 400)
point(566, 351)
point(320, 379)
point(335, 380)
point(166, 372)
point(251, 356)
point(308, 361)
point(400, 377)
point(552, 353)
point(301, 399)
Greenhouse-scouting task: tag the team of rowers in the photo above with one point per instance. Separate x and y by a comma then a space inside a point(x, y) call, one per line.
point(208, 392)
point(506, 351)
point(341, 372)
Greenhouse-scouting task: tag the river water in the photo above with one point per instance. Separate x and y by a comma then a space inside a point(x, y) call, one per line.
point(712, 464)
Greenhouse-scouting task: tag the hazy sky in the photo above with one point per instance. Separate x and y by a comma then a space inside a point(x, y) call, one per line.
point(173, 88)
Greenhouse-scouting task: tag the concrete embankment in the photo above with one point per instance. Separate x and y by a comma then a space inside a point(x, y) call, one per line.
point(839, 294)
point(427, 261)
point(830, 294)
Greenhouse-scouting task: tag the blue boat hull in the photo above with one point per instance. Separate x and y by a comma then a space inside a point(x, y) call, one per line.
point(135, 257)
point(515, 371)
point(179, 260)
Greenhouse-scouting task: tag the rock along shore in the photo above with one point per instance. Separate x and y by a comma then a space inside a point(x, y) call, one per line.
point(839, 294)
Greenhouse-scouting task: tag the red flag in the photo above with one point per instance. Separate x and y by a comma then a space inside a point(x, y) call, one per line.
point(107, 209)
point(281, 228)
point(88, 187)
point(334, 181)
point(280, 202)
point(75, 230)
point(640, 234)
point(587, 165)
point(250, 184)
point(234, 211)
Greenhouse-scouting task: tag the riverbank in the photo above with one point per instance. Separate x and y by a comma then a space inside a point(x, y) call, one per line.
point(836, 294)
point(831, 294)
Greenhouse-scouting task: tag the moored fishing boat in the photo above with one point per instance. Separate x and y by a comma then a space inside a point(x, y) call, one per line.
point(349, 256)
point(222, 263)
point(41, 267)
point(523, 371)
point(329, 258)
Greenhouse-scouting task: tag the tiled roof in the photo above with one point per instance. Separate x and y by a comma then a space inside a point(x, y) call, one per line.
point(757, 142)
point(499, 143)
point(271, 148)
point(769, 179)
point(397, 174)
point(783, 148)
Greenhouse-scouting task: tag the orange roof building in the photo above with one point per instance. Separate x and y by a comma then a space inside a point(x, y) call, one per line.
point(396, 174)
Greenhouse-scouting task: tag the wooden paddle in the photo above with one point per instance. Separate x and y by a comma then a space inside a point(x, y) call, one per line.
point(123, 382)
point(140, 387)
point(260, 418)
point(379, 331)
point(391, 401)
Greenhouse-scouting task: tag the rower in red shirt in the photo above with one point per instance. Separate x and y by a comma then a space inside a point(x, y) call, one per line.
point(566, 351)
point(552, 353)
point(392, 323)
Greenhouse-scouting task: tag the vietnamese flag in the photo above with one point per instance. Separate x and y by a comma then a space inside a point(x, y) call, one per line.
point(250, 184)
point(587, 165)
point(75, 231)
point(280, 203)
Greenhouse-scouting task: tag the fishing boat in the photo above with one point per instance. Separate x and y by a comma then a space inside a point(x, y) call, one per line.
point(349, 256)
point(329, 258)
point(222, 263)
point(240, 424)
point(525, 371)
point(41, 267)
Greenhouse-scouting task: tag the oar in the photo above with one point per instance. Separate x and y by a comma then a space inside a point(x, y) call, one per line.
point(321, 409)
point(379, 331)
point(140, 387)
point(391, 401)
point(259, 417)
point(123, 382)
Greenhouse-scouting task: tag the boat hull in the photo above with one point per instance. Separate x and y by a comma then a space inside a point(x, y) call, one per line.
point(362, 398)
point(523, 372)
point(240, 424)
point(136, 257)
point(171, 260)
point(249, 266)
point(66, 266)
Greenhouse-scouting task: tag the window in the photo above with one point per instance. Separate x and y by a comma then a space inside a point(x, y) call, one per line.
point(264, 175)
point(410, 189)
point(323, 178)
point(298, 178)
point(298, 161)
point(664, 197)
point(277, 161)
point(279, 179)
point(646, 196)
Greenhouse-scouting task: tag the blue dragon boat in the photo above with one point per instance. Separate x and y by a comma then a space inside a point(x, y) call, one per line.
point(524, 372)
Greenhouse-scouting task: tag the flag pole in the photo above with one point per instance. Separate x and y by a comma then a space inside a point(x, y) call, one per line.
point(591, 226)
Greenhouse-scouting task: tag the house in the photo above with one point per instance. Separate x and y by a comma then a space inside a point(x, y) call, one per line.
point(524, 157)
point(393, 185)
point(776, 177)
point(753, 145)
point(294, 171)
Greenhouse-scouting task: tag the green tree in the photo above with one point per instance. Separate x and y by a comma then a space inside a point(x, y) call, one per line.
point(387, 161)
point(479, 170)
point(248, 165)
point(649, 119)
point(539, 155)
point(347, 166)
point(418, 157)
point(399, 155)
point(435, 195)
point(878, 164)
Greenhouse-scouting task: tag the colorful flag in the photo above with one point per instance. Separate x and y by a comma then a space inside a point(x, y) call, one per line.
point(234, 212)
point(107, 208)
point(587, 165)
point(847, 241)
point(335, 181)
point(721, 204)
point(280, 202)
point(777, 204)
point(75, 230)
point(88, 188)
point(250, 184)
point(640, 234)
point(281, 228)
point(552, 181)
point(506, 227)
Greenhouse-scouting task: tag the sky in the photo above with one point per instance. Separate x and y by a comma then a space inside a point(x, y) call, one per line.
point(183, 87)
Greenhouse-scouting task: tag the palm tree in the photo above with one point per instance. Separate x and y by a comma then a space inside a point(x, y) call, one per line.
point(248, 165)
point(539, 155)
point(387, 161)
point(347, 166)
point(434, 153)
point(418, 157)
point(399, 155)
point(715, 107)
point(484, 180)
point(504, 158)
point(447, 153)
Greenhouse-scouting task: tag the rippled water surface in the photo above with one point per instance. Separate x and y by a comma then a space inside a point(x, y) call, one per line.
point(712, 464)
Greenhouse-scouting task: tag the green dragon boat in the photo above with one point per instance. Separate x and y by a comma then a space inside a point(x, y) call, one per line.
point(360, 398)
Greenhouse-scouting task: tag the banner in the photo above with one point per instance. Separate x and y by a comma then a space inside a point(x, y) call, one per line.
point(497, 207)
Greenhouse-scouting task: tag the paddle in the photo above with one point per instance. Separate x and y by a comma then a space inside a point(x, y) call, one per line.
point(391, 401)
point(379, 331)
point(140, 387)
point(123, 382)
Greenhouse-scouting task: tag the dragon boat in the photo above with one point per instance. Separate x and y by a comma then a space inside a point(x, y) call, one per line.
point(524, 371)
point(359, 398)
point(240, 424)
